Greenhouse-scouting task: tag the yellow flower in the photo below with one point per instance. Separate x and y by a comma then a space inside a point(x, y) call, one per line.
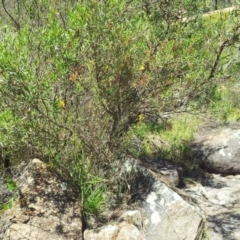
point(140, 118)
point(105, 68)
point(61, 103)
point(141, 67)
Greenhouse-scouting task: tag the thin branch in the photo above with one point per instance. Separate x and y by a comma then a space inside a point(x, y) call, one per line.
point(17, 25)
point(217, 58)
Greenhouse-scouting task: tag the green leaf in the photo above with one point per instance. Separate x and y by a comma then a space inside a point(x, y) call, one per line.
point(11, 185)
point(5, 206)
point(10, 202)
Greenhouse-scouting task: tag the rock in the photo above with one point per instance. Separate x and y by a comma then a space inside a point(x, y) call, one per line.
point(45, 207)
point(169, 171)
point(217, 148)
point(224, 226)
point(129, 228)
point(155, 142)
point(218, 198)
point(132, 217)
point(168, 216)
point(162, 214)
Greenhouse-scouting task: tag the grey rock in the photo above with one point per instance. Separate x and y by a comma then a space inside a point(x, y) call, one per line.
point(217, 148)
point(43, 208)
point(168, 216)
point(218, 198)
point(224, 226)
point(168, 170)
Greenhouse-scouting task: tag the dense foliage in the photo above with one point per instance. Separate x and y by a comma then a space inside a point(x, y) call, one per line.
point(76, 76)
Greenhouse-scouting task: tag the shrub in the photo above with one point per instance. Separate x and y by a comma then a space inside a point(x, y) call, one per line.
point(75, 76)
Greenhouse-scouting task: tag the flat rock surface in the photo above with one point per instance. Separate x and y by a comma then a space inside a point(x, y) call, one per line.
point(218, 197)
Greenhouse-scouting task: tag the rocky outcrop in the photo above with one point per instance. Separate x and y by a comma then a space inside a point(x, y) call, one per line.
point(45, 207)
point(162, 214)
point(209, 204)
point(217, 148)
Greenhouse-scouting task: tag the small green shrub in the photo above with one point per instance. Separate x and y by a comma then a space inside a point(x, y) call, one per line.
point(223, 103)
point(12, 187)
